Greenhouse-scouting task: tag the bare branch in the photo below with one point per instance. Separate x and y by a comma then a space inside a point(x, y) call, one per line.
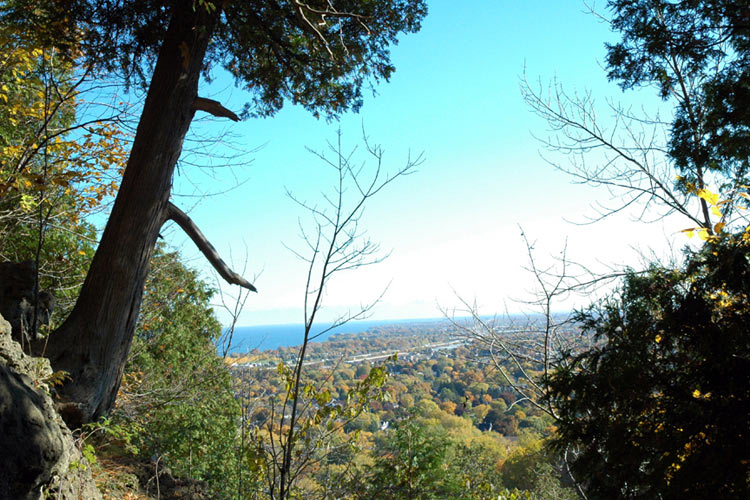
point(631, 163)
point(214, 107)
point(186, 223)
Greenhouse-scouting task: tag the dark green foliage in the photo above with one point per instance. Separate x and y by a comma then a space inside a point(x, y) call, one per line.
point(273, 52)
point(304, 52)
point(660, 408)
point(176, 390)
point(697, 33)
point(697, 51)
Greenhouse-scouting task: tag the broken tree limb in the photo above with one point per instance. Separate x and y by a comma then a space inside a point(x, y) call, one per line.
point(187, 225)
point(214, 107)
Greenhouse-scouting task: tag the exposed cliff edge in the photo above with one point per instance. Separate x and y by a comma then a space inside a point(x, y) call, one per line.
point(40, 455)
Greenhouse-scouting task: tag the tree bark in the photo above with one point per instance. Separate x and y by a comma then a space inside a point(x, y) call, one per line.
point(93, 343)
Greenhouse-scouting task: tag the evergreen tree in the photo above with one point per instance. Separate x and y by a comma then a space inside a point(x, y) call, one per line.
point(697, 54)
point(660, 407)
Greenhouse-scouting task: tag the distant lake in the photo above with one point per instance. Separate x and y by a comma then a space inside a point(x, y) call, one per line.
point(269, 337)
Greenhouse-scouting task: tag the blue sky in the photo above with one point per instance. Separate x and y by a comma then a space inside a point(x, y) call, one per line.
point(453, 227)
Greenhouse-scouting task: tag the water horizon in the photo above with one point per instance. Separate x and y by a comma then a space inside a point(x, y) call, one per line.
point(270, 337)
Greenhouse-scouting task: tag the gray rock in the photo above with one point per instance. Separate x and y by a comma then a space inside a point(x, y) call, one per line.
point(40, 456)
point(32, 443)
point(17, 299)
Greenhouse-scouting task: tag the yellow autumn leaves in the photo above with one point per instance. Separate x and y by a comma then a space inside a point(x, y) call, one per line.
point(691, 446)
point(45, 156)
point(716, 208)
point(714, 204)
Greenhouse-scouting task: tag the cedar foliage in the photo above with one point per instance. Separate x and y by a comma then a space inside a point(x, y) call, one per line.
point(660, 407)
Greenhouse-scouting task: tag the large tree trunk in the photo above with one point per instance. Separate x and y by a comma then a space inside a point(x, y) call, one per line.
point(93, 343)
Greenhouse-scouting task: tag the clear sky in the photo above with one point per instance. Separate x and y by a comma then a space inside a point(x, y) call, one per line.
point(454, 225)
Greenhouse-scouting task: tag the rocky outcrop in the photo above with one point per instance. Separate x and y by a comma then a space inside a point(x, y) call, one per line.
point(18, 299)
point(40, 456)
